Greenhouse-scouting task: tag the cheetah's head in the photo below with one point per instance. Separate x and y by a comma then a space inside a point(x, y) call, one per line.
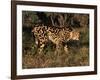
point(74, 35)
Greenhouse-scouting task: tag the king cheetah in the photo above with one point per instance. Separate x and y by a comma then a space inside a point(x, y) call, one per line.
point(58, 36)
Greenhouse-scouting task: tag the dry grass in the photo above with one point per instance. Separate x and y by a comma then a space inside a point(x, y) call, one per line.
point(75, 57)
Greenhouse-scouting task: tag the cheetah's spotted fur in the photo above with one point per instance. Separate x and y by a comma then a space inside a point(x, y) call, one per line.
point(56, 35)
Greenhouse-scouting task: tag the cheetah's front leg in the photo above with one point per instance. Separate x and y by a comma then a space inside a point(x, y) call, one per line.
point(59, 49)
point(66, 49)
point(40, 50)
